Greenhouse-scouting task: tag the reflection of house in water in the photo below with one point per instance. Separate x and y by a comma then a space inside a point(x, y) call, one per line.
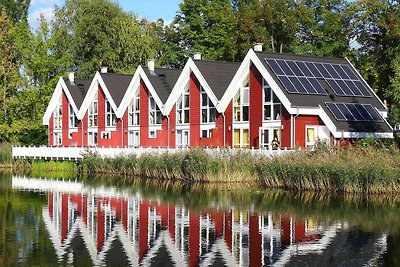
point(107, 226)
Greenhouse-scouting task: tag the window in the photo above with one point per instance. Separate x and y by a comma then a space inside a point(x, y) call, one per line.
point(93, 112)
point(241, 102)
point(133, 138)
point(241, 138)
point(152, 134)
point(111, 118)
point(92, 138)
point(206, 133)
point(57, 139)
point(133, 110)
point(208, 111)
point(272, 105)
point(310, 136)
point(155, 116)
point(182, 138)
point(73, 120)
point(106, 135)
point(58, 116)
point(270, 136)
point(182, 107)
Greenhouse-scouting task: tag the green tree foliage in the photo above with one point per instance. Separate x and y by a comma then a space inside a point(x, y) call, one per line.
point(207, 26)
point(17, 10)
point(99, 32)
point(377, 25)
point(325, 28)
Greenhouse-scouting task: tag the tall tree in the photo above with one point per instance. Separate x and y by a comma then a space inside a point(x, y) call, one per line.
point(207, 26)
point(17, 10)
point(325, 28)
point(98, 33)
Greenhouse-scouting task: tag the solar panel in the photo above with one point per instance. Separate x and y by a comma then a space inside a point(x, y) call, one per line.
point(354, 112)
point(302, 77)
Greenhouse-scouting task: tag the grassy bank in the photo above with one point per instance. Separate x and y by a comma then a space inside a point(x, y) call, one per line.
point(358, 170)
point(54, 169)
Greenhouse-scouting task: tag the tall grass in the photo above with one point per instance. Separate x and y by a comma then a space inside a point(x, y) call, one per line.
point(359, 169)
point(6, 159)
point(54, 169)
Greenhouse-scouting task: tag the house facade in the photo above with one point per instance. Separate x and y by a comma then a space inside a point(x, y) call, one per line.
point(266, 101)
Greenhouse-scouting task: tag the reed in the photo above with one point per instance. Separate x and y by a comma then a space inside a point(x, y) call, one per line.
point(359, 169)
point(54, 169)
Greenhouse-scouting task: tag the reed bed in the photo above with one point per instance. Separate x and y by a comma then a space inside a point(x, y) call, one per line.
point(54, 169)
point(353, 170)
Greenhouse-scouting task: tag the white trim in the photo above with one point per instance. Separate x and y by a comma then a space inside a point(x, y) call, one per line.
point(55, 99)
point(93, 88)
point(129, 95)
point(183, 79)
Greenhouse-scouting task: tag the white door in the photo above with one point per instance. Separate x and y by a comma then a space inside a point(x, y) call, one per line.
point(92, 138)
point(182, 138)
point(133, 138)
point(270, 136)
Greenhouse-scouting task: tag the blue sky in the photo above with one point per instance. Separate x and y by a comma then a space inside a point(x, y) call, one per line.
point(149, 9)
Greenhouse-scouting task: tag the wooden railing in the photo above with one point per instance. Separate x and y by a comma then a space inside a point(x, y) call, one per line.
point(77, 153)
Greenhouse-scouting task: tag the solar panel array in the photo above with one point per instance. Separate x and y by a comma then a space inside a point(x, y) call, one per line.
point(354, 112)
point(301, 77)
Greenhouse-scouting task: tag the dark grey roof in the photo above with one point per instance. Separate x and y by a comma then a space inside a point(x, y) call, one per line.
point(117, 84)
point(218, 74)
point(78, 90)
point(308, 100)
point(163, 81)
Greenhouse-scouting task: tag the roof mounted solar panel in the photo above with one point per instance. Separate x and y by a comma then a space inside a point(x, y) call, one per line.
point(354, 112)
point(341, 78)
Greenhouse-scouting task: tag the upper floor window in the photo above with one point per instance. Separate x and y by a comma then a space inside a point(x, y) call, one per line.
point(58, 116)
point(241, 102)
point(93, 112)
point(155, 116)
point(133, 110)
point(73, 120)
point(111, 118)
point(182, 107)
point(272, 105)
point(208, 111)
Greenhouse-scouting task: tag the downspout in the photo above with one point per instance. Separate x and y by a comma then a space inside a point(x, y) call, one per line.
point(224, 122)
point(294, 125)
point(83, 132)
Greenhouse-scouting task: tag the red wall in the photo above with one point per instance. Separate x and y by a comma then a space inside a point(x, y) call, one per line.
point(51, 128)
point(301, 122)
point(228, 125)
point(162, 135)
point(285, 132)
point(194, 91)
point(256, 106)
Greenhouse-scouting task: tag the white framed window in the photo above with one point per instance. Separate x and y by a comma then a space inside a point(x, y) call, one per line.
point(271, 103)
point(133, 110)
point(317, 132)
point(73, 120)
point(241, 138)
point(133, 138)
point(183, 107)
point(92, 138)
point(155, 116)
point(111, 118)
point(152, 134)
point(106, 135)
point(241, 102)
point(58, 116)
point(182, 138)
point(93, 112)
point(206, 133)
point(208, 110)
point(311, 136)
point(57, 138)
point(270, 137)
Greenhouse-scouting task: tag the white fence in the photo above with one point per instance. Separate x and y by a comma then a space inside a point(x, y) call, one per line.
point(77, 153)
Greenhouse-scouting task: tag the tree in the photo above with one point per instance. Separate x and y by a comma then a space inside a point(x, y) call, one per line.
point(206, 26)
point(325, 28)
point(17, 10)
point(99, 33)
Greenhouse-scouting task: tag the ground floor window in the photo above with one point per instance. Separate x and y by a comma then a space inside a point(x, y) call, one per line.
point(270, 138)
point(241, 138)
point(92, 138)
point(182, 138)
point(133, 138)
point(316, 133)
point(57, 141)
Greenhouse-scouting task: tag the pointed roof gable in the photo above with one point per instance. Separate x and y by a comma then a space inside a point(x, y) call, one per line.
point(78, 90)
point(218, 74)
point(116, 85)
point(163, 80)
point(72, 92)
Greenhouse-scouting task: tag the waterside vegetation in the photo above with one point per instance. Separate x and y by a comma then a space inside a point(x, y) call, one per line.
point(352, 170)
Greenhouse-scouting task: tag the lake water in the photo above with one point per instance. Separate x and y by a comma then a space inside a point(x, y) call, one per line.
point(74, 223)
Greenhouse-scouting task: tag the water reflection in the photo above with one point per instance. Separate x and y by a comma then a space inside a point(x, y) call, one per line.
point(105, 226)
